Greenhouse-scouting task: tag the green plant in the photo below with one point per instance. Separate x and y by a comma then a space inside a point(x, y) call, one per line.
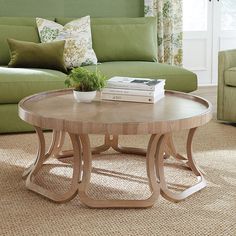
point(84, 80)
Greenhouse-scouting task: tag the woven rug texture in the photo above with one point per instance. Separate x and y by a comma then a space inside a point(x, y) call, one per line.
point(211, 211)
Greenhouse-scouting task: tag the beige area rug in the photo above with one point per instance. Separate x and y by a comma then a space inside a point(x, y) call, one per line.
point(209, 212)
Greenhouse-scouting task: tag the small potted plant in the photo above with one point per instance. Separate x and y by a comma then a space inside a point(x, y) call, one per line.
point(85, 83)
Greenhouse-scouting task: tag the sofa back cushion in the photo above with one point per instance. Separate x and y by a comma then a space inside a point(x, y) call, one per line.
point(72, 8)
point(20, 28)
point(120, 40)
point(23, 21)
point(123, 39)
point(25, 33)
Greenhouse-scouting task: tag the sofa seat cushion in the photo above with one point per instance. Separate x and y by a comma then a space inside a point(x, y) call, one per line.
point(230, 77)
point(176, 78)
point(17, 83)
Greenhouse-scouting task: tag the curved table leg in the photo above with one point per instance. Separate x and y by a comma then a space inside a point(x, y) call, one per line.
point(104, 147)
point(29, 169)
point(53, 149)
point(170, 148)
point(110, 141)
point(165, 192)
point(127, 150)
point(42, 157)
point(95, 150)
point(95, 203)
point(58, 144)
point(190, 161)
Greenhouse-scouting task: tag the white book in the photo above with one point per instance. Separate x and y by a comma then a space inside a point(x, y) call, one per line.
point(129, 91)
point(135, 83)
point(133, 98)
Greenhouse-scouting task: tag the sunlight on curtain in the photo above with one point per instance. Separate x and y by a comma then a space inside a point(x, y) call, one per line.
point(169, 29)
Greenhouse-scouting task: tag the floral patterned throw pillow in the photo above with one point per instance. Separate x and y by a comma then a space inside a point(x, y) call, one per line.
point(78, 49)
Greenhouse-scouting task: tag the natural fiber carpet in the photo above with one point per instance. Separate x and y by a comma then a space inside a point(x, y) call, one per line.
point(209, 212)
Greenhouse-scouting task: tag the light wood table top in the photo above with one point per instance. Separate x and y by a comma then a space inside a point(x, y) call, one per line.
point(58, 110)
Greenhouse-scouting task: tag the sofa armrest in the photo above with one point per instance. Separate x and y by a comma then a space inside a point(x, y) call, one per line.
point(226, 60)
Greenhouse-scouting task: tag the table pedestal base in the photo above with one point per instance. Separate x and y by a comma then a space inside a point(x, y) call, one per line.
point(160, 146)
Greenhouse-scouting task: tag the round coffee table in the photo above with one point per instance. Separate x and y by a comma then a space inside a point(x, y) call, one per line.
point(58, 111)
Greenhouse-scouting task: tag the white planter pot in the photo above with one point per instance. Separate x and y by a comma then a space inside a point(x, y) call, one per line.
point(84, 96)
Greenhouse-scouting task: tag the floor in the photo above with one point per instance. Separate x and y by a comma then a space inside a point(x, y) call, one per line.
point(209, 93)
point(210, 212)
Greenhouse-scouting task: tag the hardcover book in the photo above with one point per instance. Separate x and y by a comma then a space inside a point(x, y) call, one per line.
point(133, 98)
point(136, 83)
point(128, 91)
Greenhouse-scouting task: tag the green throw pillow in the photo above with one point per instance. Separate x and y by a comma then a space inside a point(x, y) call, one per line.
point(37, 55)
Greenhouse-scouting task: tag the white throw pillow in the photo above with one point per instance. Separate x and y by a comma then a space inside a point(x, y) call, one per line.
point(77, 34)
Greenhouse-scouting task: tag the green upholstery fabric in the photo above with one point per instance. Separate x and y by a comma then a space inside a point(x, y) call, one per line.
point(23, 21)
point(229, 108)
point(26, 33)
point(17, 83)
point(226, 109)
point(119, 40)
point(230, 77)
point(176, 78)
point(109, 20)
point(37, 55)
point(10, 122)
point(65, 20)
point(72, 8)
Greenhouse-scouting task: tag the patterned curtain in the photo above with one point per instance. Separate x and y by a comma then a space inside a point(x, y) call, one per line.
point(169, 29)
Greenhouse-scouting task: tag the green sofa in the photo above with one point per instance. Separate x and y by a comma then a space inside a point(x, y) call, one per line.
point(17, 83)
point(226, 110)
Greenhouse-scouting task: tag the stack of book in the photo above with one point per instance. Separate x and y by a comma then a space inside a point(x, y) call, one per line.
point(134, 89)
